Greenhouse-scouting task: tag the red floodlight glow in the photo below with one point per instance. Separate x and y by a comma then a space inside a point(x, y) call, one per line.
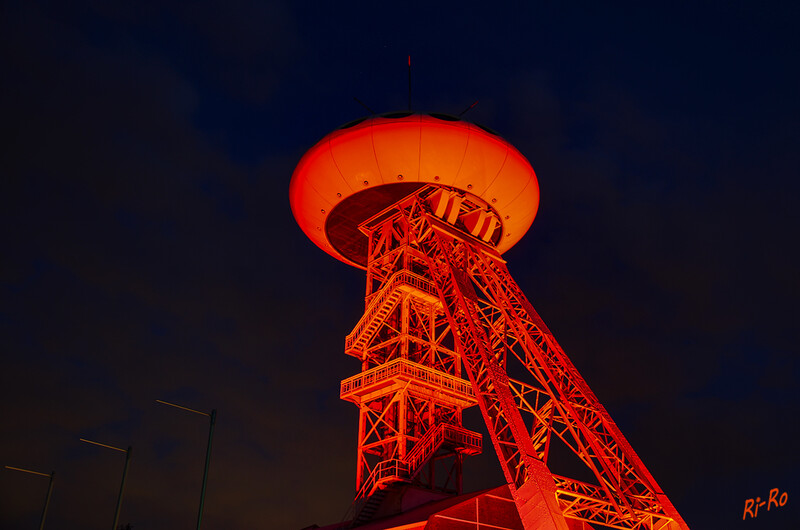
point(426, 204)
point(412, 149)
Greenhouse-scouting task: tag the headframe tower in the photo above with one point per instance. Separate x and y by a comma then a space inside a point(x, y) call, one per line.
point(427, 204)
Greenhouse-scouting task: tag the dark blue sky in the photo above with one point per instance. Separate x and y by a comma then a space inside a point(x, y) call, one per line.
point(150, 252)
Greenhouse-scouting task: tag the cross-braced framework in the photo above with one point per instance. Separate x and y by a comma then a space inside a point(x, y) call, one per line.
point(410, 392)
point(439, 295)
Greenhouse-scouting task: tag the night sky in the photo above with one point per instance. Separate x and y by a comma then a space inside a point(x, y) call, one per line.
point(149, 251)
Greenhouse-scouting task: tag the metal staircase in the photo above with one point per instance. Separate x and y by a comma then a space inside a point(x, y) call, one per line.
point(382, 305)
point(395, 471)
point(370, 506)
point(468, 442)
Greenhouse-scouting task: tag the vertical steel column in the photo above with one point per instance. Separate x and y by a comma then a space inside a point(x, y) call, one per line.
point(362, 430)
point(402, 424)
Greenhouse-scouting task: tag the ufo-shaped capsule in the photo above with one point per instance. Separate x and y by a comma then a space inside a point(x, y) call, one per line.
point(366, 165)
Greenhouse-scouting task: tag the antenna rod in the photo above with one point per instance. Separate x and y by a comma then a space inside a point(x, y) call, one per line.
point(468, 108)
point(409, 83)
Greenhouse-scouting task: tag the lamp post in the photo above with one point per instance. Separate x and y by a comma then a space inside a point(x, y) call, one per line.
point(124, 475)
point(213, 419)
point(49, 489)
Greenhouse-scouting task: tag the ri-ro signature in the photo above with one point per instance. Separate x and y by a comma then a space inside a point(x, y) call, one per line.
point(775, 499)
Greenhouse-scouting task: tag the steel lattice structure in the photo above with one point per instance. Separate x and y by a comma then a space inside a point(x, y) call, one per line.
point(410, 392)
point(440, 304)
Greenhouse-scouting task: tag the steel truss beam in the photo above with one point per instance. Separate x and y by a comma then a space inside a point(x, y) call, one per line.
point(494, 324)
point(436, 298)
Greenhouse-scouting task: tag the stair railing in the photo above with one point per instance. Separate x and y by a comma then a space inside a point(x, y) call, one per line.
point(429, 442)
point(407, 368)
point(434, 438)
point(401, 276)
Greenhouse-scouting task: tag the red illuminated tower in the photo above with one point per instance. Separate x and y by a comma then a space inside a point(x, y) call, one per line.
point(427, 204)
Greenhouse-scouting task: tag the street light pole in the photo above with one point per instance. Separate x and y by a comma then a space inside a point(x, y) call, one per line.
point(213, 418)
point(47, 499)
point(122, 486)
point(208, 462)
point(49, 489)
point(124, 476)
